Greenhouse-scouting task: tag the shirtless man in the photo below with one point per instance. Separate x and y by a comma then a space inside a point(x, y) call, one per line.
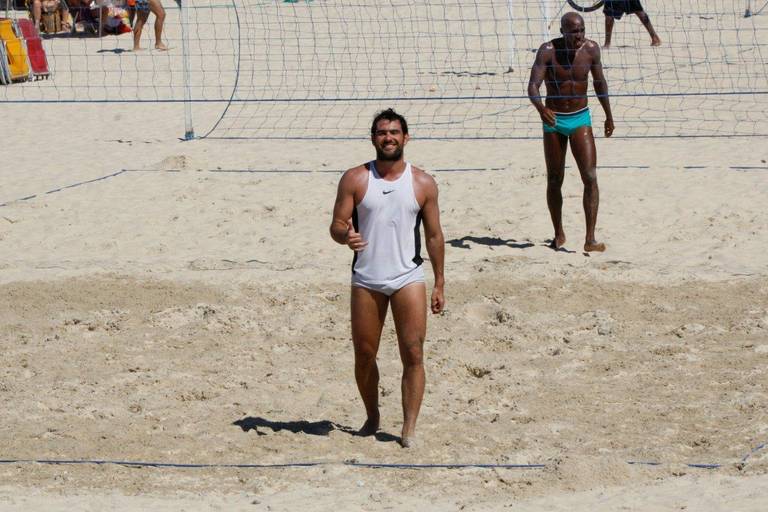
point(615, 9)
point(564, 64)
point(377, 213)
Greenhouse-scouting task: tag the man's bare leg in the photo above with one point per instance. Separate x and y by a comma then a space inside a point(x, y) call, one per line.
point(583, 147)
point(157, 9)
point(409, 311)
point(369, 309)
point(655, 40)
point(608, 31)
point(555, 146)
point(141, 19)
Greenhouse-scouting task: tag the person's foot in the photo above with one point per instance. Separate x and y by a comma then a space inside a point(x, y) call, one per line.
point(594, 246)
point(161, 47)
point(369, 428)
point(655, 41)
point(606, 46)
point(558, 242)
point(408, 442)
point(138, 49)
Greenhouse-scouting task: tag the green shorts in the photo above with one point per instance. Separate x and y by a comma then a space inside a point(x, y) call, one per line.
point(568, 122)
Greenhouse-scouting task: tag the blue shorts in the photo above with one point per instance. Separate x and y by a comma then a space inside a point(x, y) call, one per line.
point(568, 122)
point(618, 8)
point(142, 5)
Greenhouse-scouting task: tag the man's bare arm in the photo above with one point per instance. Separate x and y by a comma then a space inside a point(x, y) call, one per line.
point(538, 74)
point(341, 228)
point(435, 241)
point(601, 88)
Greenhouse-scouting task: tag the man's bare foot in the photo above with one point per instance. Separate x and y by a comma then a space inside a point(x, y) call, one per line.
point(408, 442)
point(655, 41)
point(606, 46)
point(594, 246)
point(138, 49)
point(369, 428)
point(161, 47)
point(557, 243)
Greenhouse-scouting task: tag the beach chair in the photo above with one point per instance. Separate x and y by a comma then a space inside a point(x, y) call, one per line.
point(5, 74)
point(15, 52)
point(38, 60)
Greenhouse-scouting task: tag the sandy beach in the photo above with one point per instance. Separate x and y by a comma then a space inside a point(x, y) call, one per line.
point(167, 303)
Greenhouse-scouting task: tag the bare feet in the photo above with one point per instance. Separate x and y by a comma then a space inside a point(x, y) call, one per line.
point(594, 246)
point(558, 242)
point(369, 428)
point(655, 41)
point(161, 47)
point(408, 442)
point(138, 49)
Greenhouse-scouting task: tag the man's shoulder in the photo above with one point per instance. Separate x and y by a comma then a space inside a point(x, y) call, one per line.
point(547, 46)
point(592, 47)
point(355, 172)
point(422, 177)
point(354, 177)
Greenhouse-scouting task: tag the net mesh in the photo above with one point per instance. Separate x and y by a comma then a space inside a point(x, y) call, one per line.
point(456, 69)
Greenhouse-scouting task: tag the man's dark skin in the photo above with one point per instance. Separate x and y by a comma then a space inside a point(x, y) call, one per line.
point(564, 65)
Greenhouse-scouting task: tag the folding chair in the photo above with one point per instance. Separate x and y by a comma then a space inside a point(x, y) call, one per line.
point(16, 52)
point(5, 73)
point(38, 60)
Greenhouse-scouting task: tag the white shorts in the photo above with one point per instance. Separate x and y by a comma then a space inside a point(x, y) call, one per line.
point(389, 287)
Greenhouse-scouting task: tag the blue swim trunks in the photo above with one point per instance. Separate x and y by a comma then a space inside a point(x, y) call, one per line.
point(568, 122)
point(142, 5)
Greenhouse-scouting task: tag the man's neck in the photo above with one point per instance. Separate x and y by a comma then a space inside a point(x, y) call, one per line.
point(390, 167)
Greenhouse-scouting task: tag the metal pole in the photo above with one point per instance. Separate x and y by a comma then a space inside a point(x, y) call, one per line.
point(189, 132)
point(511, 39)
point(545, 19)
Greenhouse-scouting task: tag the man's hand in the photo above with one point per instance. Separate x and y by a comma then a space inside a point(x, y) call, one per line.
point(438, 300)
point(354, 240)
point(548, 116)
point(608, 127)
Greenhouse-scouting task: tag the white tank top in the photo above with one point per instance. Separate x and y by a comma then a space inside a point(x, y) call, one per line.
point(388, 218)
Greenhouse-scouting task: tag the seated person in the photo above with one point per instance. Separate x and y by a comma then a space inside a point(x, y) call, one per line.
point(108, 15)
point(49, 6)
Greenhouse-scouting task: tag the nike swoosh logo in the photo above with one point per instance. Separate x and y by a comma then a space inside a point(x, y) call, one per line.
point(385, 192)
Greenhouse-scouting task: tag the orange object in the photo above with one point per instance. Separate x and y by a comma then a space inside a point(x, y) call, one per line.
point(15, 51)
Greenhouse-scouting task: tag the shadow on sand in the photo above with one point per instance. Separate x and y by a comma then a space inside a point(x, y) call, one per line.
point(314, 428)
point(461, 243)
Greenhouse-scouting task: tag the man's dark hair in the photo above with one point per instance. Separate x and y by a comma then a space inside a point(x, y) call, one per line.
point(389, 115)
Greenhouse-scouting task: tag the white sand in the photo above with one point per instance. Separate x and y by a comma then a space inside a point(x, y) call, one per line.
point(143, 314)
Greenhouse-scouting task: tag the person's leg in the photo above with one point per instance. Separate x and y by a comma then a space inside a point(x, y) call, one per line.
point(409, 311)
point(66, 19)
point(555, 146)
point(37, 13)
point(369, 309)
point(646, 21)
point(585, 154)
point(141, 19)
point(608, 30)
point(157, 9)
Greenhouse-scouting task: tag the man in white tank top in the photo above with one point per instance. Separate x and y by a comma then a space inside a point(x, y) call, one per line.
point(379, 208)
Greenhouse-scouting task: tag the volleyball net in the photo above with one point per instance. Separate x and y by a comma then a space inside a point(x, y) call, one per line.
point(455, 68)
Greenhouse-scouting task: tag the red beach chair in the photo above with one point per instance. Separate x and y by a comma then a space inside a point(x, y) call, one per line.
point(38, 60)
